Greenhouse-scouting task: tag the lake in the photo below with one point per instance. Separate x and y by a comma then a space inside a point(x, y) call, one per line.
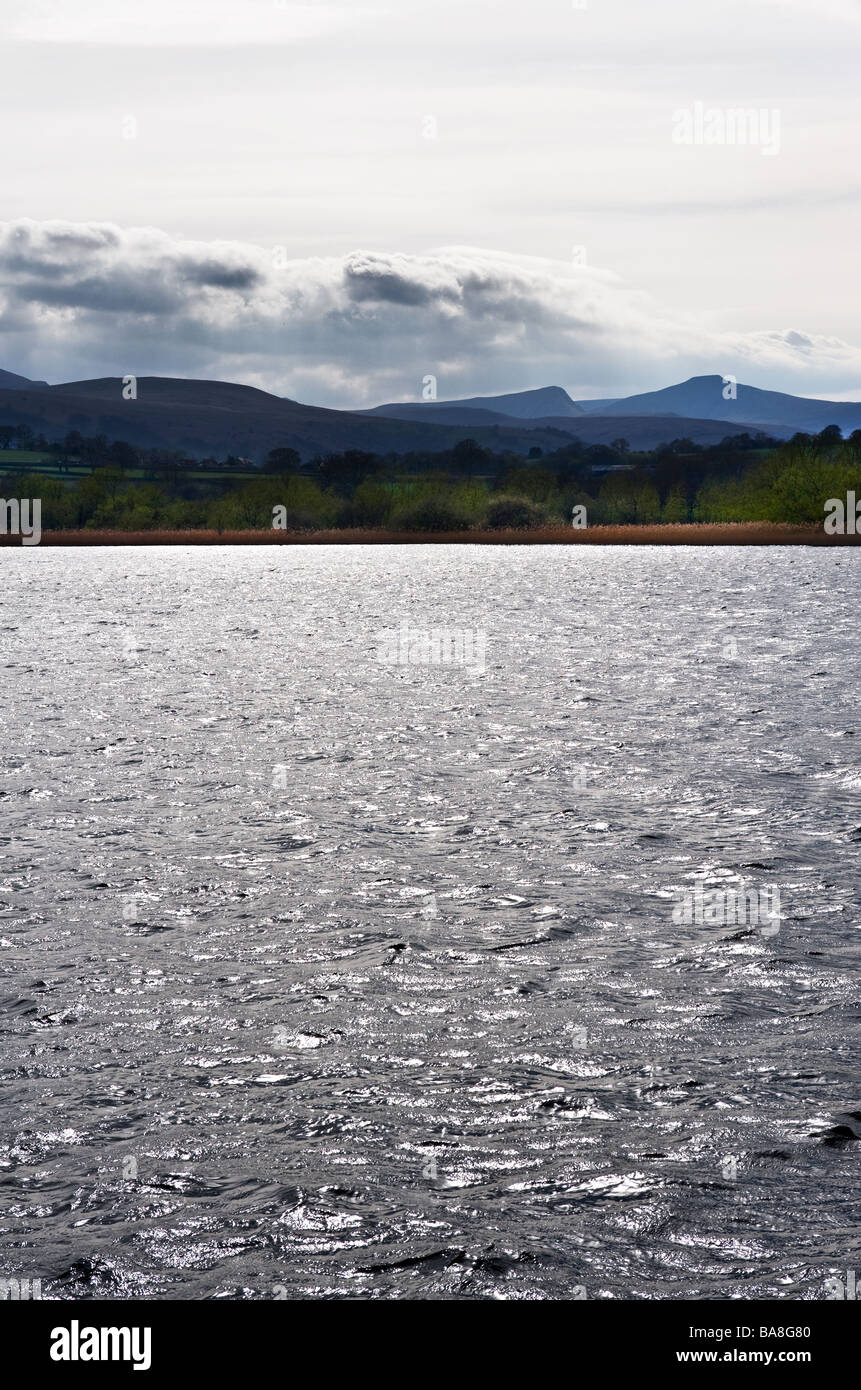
point(430, 922)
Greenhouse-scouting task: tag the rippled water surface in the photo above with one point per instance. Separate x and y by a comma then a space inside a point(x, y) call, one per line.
point(322, 977)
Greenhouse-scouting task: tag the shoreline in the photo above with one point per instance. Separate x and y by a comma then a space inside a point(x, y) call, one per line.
point(679, 533)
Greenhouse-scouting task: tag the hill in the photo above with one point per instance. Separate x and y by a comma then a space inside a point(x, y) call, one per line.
point(214, 417)
point(10, 381)
point(543, 403)
point(702, 397)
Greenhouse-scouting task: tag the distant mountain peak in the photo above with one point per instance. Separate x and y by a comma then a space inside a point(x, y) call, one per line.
point(540, 403)
point(537, 403)
point(716, 397)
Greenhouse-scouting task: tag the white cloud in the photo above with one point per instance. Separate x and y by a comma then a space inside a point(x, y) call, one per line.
point(849, 10)
point(173, 22)
point(88, 299)
point(305, 124)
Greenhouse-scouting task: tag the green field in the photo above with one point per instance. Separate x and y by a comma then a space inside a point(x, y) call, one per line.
point(21, 460)
point(26, 461)
point(8, 456)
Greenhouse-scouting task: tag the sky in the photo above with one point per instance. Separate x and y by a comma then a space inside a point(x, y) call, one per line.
point(333, 201)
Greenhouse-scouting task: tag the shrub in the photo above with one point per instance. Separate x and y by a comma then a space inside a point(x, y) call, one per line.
point(537, 484)
point(370, 505)
point(515, 513)
point(432, 514)
point(675, 508)
point(307, 507)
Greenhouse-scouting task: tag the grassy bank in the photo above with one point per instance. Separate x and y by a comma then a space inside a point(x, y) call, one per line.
point(723, 533)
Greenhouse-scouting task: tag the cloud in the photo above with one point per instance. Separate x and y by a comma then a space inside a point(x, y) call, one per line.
point(79, 300)
point(171, 22)
point(849, 10)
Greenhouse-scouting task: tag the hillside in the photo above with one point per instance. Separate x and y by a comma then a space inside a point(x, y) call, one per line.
point(10, 381)
point(213, 417)
point(546, 402)
point(702, 396)
point(694, 401)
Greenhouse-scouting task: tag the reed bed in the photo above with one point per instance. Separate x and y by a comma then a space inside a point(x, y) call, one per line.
point(706, 533)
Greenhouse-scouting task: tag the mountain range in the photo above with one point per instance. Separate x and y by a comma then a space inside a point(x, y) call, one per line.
point(213, 417)
point(548, 402)
point(704, 396)
point(700, 398)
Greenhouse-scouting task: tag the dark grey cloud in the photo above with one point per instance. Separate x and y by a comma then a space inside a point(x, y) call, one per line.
point(121, 292)
point(217, 273)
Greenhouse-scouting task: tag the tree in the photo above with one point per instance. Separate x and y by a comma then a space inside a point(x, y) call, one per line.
point(647, 502)
point(73, 443)
point(675, 506)
point(831, 435)
point(344, 471)
point(167, 465)
point(282, 461)
point(678, 446)
point(602, 453)
point(538, 484)
point(370, 505)
point(123, 455)
point(628, 497)
point(468, 456)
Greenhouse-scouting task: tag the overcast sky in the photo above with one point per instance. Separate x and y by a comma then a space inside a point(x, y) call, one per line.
point(334, 200)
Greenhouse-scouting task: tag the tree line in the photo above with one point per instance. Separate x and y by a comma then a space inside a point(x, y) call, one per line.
point(744, 478)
